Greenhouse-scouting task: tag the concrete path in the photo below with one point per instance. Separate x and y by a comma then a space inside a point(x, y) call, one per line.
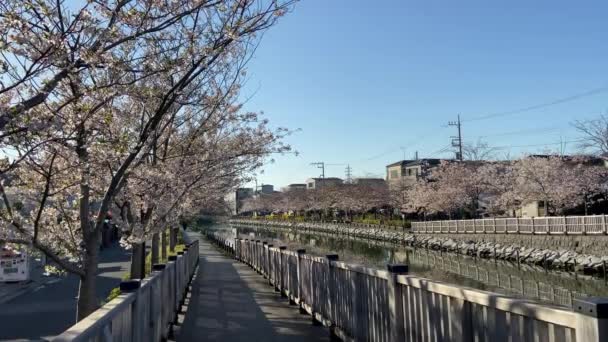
point(231, 302)
point(50, 309)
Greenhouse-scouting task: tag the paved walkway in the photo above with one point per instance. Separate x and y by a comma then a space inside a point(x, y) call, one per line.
point(231, 302)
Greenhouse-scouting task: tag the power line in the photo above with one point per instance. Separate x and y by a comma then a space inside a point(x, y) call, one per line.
point(519, 132)
point(440, 151)
point(511, 112)
point(536, 145)
point(380, 155)
point(541, 105)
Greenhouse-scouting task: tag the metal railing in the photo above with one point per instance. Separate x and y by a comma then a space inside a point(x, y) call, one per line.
point(366, 304)
point(146, 309)
point(595, 224)
point(515, 284)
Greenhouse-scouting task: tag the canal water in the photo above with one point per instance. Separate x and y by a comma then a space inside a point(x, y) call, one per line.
point(559, 288)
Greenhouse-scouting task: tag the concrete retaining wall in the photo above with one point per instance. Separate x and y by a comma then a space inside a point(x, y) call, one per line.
point(588, 244)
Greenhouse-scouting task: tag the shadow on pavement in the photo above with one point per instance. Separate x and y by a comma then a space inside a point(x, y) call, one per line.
point(231, 302)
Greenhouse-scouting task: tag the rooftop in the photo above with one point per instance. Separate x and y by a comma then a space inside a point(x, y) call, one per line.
point(406, 162)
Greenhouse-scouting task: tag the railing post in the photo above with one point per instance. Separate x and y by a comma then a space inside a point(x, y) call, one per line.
point(604, 231)
point(237, 249)
point(282, 271)
point(269, 258)
point(263, 257)
point(157, 304)
point(331, 292)
point(135, 324)
point(181, 262)
point(592, 319)
point(584, 225)
point(246, 254)
point(300, 252)
point(256, 256)
point(395, 302)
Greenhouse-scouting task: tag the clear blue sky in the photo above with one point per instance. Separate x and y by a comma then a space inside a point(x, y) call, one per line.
point(364, 79)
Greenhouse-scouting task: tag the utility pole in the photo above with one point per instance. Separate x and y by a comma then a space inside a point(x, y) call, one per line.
point(457, 141)
point(320, 165)
point(349, 174)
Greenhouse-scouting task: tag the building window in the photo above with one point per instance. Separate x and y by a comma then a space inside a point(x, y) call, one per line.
point(311, 185)
point(394, 174)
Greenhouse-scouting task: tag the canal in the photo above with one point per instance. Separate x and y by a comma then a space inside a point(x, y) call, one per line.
point(559, 288)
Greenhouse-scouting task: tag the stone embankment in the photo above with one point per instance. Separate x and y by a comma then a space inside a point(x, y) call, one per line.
point(513, 250)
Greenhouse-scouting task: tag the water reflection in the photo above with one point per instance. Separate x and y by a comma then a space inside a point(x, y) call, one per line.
point(558, 288)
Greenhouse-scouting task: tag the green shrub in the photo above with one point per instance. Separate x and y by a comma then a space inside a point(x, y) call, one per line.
point(113, 294)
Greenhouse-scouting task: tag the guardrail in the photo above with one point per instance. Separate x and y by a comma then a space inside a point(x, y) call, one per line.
point(366, 304)
point(262, 222)
point(146, 309)
point(595, 224)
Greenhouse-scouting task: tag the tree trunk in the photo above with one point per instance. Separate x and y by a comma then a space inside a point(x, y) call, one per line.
point(155, 246)
point(138, 261)
point(163, 245)
point(172, 239)
point(87, 294)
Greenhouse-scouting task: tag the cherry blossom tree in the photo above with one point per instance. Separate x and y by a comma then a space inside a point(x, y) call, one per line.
point(451, 187)
point(589, 181)
point(548, 179)
point(92, 96)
